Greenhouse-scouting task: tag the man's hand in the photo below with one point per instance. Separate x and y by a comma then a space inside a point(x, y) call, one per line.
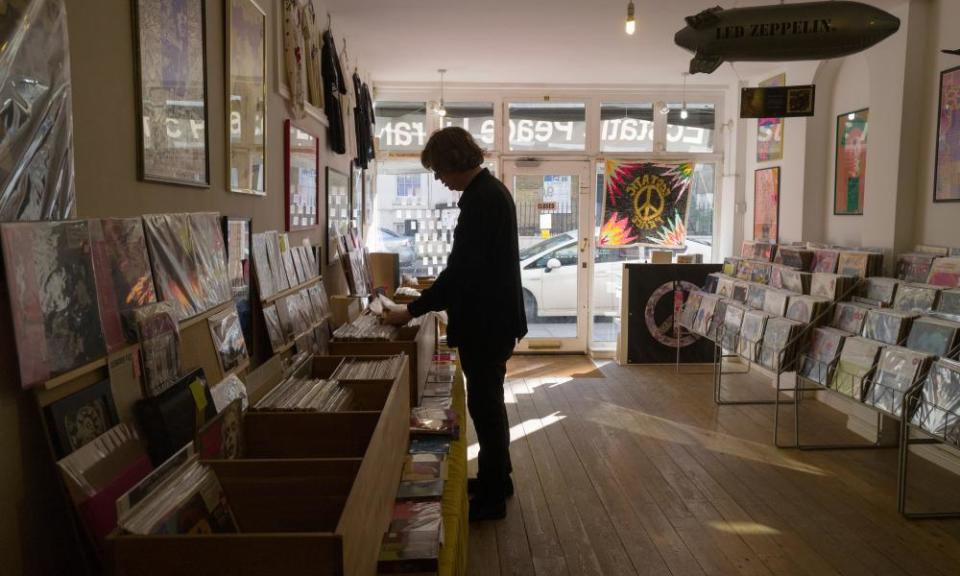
point(398, 316)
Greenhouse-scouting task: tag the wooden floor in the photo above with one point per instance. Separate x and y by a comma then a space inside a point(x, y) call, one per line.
point(634, 470)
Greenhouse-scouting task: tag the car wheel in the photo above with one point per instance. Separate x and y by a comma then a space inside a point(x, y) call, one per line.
point(530, 306)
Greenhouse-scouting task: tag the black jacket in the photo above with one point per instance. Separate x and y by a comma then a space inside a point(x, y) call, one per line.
point(480, 287)
point(334, 84)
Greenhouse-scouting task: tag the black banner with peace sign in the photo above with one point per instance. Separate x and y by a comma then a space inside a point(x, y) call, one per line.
point(646, 203)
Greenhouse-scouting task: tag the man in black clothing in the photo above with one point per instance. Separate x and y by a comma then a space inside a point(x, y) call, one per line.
point(480, 290)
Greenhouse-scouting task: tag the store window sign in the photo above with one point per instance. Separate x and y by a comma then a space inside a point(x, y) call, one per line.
point(625, 130)
point(403, 134)
point(528, 133)
point(486, 128)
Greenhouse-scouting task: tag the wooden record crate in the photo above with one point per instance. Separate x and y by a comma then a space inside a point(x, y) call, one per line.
point(418, 342)
point(313, 494)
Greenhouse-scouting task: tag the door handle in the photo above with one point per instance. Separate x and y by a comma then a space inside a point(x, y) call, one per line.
point(583, 244)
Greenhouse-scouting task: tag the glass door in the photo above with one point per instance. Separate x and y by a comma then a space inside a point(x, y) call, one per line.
point(554, 223)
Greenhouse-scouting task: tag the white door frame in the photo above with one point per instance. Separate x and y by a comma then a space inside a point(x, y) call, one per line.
point(583, 169)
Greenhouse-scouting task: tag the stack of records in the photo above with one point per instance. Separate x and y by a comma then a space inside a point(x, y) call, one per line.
point(100, 472)
point(435, 422)
point(831, 286)
point(369, 369)
point(715, 325)
point(857, 359)
point(688, 315)
point(761, 273)
point(849, 317)
point(751, 333)
point(808, 309)
point(794, 280)
point(689, 258)
point(887, 326)
point(725, 286)
point(776, 301)
point(439, 388)
point(222, 437)
point(366, 328)
point(430, 445)
point(303, 392)
point(897, 371)
point(860, 264)
point(914, 267)
point(933, 336)
point(938, 412)
point(824, 350)
point(412, 542)
point(268, 264)
point(778, 350)
point(730, 266)
point(878, 291)
point(825, 260)
point(424, 468)
point(758, 251)
point(228, 341)
point(159, 335)
point(796, 258)
point(187, 500)
point(740, 291)
point(945, 272)
point(756, 295)
point(949, 302)
point(732, 321)
point(917, 298)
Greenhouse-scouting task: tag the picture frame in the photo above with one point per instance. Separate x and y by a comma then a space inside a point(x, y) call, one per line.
point(80, 417)
point(770, 131)
point(169, 148)
point(766, 204)
point(337, 210)
point(356, 196)
point(238, 239)
point(245, 66)
point(850, 165)
point(946, 169)
point(301, 178)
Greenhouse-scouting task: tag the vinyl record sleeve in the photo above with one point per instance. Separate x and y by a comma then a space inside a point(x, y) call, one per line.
point(756, 294)
point(776, 351)
point(945, 272)
point(938, 411)
point(81, 418)
point(917, 298)
point(914, 267)
point(857, 359)
point(949, 302)
point(228, 341)
point(751, 333)
point(776, 302)
point(897, 371)
point(825, 260)
point(849, 317)
point(933, 336)
point(159, 335)
point(705, 314)
point(887, 326)
point(825, 348)
point(883, 290)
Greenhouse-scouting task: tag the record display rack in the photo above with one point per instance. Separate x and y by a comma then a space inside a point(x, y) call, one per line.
point(312, 492)
point(417, 342)
point(912, 400)
point(260, 333)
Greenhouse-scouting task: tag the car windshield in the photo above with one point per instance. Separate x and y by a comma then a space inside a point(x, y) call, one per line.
point(543, 246)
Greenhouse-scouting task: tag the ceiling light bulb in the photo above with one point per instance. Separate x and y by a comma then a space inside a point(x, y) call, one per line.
point(441, 111)
point(631, 19)
point(683, 113)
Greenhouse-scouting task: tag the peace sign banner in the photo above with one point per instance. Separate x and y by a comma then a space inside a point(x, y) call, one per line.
point(645, 203)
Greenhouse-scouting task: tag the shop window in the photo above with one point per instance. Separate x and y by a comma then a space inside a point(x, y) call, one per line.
point(626, 127)
point(401, 126)
point(547, 127)
point(474, 117)
point(693, 133)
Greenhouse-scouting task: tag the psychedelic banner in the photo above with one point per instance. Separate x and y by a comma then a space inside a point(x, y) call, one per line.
point(645, 203)
point(766, 204)
point(947, 181)
point(851, 167)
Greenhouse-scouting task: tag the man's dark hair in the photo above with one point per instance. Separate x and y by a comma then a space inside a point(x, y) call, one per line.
point(452, 149)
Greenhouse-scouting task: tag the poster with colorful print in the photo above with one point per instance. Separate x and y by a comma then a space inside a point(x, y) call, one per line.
point(645, 203)
point(766, 204)
point(946, 179)
point(770, 130)
point(850, 178)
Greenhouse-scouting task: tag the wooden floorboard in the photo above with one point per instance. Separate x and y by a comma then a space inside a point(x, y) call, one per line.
point(635, 471)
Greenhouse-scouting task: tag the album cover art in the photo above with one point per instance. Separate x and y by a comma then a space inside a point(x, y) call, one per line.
point(806, 309)
point(797, 258)
point(740, 291)
point(751, 333)
point(222, 437)
point(897, 371)
point(887, 326)
point(825, 348)
point(945, 272)
point(794, 280)
point(745, 270)
point(879, 289)
point(705, 313)
point(849, 317)
point(81, 417)
point(756, 295)
point(159, 334)
point(949, 302)
point(933, 336)
point(914, 267)
point(228, 339)
point(732, 321)
point(778, 350)
point(725, 286)
point(775, 302)
point(53, 293)
point(825, 260)
point(274, 328)
point(857, 359)
point(175, 272)
point(688, 314)
point(916, 298)
point(731, 265)
point(938, 411)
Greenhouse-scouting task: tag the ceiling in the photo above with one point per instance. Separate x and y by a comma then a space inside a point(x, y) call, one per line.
point(528, 41)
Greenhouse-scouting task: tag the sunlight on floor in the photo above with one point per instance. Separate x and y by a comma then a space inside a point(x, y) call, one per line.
point(521, 430)
point(744, 528)
point(643, 424)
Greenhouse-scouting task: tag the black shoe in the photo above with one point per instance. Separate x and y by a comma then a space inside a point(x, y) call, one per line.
point(482, 510)
point(473, 487)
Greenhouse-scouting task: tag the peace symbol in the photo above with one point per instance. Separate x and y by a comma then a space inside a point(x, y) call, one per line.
point(649, 200)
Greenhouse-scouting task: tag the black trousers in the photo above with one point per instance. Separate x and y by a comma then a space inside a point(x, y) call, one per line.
point(485, 366)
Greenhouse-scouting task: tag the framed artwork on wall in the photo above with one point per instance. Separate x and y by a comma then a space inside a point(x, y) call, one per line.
point(301, 177)
point(766, 204)
point(171, 91)
point(338, 210)
point(849, 182)
point(356, 196)
point(946, 175)
point(770, 130)
point(246, 81)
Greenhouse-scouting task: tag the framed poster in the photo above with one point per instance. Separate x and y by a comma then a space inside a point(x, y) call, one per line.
point(238, 237)
point(770, 130)
point(338, 210)
point(946, 175)
point(246, 80)
point(171, 91)
point(766, 204)
point(301, 177)
point(849, 182)
point(356, 196)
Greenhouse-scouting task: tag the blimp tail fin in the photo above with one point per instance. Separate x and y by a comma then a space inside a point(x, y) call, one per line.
point(705, 18)
point(705, 64)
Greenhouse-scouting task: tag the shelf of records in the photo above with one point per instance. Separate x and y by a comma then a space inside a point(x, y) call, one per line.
point(296, 477)
point(366, 335)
